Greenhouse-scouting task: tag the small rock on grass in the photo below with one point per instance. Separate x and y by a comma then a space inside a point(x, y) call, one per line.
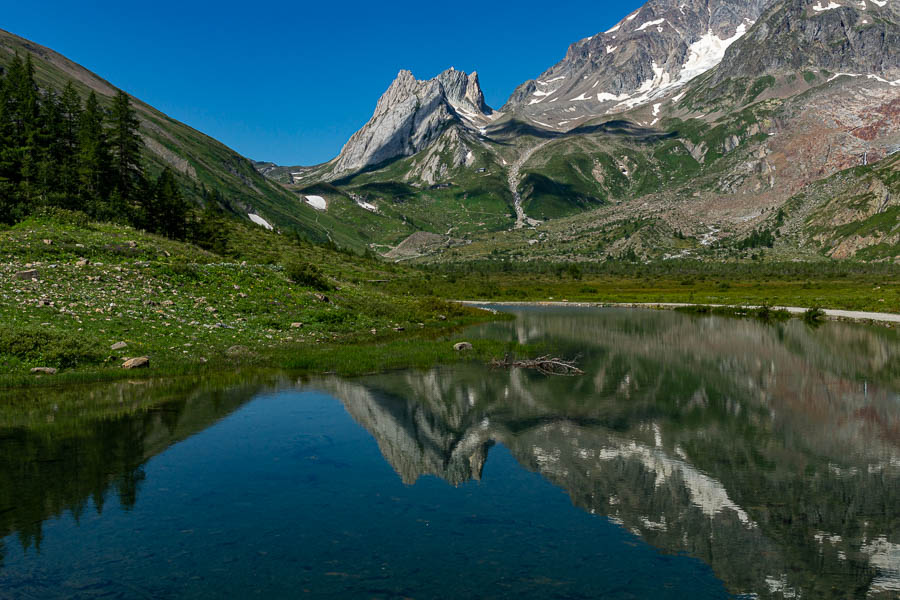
point(462, 346)
point(118, 346)
point(28, 275)
point(43, 371)
point(142, 362)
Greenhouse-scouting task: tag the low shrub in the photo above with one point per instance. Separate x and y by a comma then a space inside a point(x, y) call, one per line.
point(306, 274)
point(50, 349)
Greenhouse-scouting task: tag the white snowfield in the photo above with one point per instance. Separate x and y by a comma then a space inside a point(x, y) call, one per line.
point(650, 24)
point(867, 75)
point(852, 315)
point(260, 221)
point(703, 55)
point(317, 202)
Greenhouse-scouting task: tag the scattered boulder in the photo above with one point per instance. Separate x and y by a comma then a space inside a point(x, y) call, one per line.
point(82, 263)
point(296, 325)
point(463, 346)
point(31, 275)
point(118, 346)
point(442, 317)
point(237, 351)
point(142, 362)
point(43, 371)
point(322, 298)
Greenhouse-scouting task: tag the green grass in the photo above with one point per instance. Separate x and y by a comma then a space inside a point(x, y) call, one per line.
point(827, 285)
point(187, 309)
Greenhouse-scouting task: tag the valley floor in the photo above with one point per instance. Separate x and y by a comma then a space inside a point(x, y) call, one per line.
point(82, 298)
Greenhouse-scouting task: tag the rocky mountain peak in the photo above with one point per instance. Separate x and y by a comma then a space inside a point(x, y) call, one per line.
point(411, 115)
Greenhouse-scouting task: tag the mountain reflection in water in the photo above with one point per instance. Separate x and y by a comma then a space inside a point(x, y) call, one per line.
point(770, 452)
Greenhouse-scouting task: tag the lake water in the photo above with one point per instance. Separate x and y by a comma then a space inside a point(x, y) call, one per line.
point(696, 458)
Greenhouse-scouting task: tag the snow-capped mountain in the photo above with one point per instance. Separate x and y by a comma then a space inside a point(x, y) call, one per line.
point(660, 47)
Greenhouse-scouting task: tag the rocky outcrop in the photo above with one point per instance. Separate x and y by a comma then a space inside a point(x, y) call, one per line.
point(411, 115)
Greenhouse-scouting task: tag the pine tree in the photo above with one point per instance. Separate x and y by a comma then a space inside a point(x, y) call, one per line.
point(8, 204)
point(167, 211)
point(93, 160)
point(68, 134)
point(18, 155)
point(28, 119)
point(49, 150)
point(126, 144)
point(209, 230)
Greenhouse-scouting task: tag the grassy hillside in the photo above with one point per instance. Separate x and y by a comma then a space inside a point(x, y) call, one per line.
point(70, 290)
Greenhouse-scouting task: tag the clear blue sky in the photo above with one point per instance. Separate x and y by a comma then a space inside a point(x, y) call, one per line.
point(291, 81)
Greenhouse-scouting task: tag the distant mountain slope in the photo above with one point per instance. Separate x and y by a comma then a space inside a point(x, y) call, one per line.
point(196, 158)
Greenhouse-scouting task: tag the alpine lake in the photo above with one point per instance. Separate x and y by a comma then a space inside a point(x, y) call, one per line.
point(696, 457)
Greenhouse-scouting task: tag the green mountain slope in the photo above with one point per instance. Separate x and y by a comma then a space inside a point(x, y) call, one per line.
point(197, 159)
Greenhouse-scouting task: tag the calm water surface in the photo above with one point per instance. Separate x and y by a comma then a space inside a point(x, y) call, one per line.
point(697, 458)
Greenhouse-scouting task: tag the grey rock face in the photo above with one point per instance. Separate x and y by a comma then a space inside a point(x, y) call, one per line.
point(411, 115)
point(657, 48)
point(858, 37)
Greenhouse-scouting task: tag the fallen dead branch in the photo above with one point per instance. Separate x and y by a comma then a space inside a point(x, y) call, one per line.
point(546, 365)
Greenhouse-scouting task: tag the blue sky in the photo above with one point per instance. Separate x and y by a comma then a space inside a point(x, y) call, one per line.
point(291, 81)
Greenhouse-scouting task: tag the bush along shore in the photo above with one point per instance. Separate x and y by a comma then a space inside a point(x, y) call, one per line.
point(82, 300)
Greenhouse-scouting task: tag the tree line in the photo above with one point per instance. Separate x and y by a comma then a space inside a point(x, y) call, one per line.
point(57, 150)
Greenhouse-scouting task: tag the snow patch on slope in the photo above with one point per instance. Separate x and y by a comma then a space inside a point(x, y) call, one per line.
point(260, 221)
point(317, 202)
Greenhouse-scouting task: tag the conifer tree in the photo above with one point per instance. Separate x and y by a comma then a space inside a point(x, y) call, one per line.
point(126, 144)
point(170, 218)
point(49, 149)
point(70, 123)
point(93, 158)
point(8, 203)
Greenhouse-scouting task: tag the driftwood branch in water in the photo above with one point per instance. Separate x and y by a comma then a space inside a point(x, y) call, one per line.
point(547, 365)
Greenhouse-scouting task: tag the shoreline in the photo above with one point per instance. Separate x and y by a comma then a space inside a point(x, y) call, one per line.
point(830, 313)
